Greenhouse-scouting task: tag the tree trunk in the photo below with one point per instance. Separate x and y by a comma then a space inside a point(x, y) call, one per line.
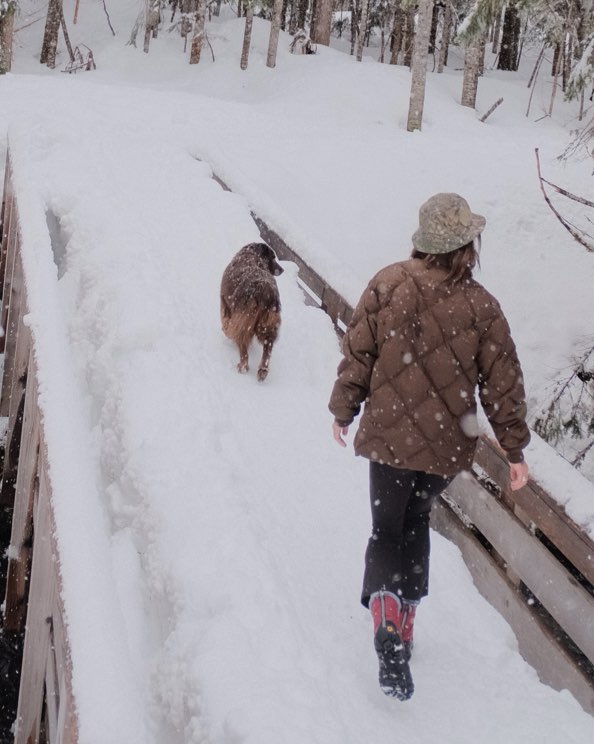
point(198, 38)
point(302, 13)
point(509, 39)
point(6, 31)
point(409, 37)
point(419, 66)
point(445, 37)
point(434, 23)
point(496, 34)
point(556, 56)
point(274, 33)
point(247, 37)
point(471, 73)
point(362, 29)
point(397, 34)
point(50, 36)
point(151, 22)
point(294, 17)
point(322, 23)
point(187, 6)
point(354, 6)
point(284, 11)
point(567, 61)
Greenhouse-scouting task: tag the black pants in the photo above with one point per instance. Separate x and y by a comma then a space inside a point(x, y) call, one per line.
point(397, 556)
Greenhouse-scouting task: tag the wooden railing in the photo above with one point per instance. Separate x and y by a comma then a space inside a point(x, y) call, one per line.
point(46, 710)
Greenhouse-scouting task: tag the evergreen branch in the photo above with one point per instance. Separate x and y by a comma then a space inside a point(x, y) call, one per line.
point(579, 458)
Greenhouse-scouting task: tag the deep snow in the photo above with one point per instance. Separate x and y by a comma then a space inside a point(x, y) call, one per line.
point(229, 523)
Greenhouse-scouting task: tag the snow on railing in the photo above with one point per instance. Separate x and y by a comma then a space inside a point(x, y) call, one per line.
point(33, 603)
point(75, 682)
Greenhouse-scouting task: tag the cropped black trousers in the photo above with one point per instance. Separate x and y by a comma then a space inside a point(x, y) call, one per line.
point(397, 555)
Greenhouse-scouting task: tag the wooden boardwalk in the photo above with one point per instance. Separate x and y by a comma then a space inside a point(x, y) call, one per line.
point(526, 555)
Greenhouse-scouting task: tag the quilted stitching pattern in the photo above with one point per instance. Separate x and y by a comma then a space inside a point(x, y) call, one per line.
point(415, 351)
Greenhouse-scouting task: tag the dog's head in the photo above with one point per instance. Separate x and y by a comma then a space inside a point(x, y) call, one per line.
point(267, 257)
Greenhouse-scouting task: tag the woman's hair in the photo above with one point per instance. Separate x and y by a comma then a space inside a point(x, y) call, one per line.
point(459, 263)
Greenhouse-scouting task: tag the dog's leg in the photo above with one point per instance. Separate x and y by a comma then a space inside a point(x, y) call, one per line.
point(267, 344)
point(243, 359)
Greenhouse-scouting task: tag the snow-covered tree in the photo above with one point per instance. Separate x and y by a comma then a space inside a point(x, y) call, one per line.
point(582, 75)
point(567, 422)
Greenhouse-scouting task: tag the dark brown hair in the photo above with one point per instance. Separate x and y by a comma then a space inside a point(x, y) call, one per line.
point(459, 263)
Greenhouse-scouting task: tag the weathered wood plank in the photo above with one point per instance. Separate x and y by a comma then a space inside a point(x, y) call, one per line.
point(22, 520)
point(5, 220)
point(11, 297)
point(557, 590)
point(543, 511)
point(37, 638)
point(554, 665)
point(16, 358)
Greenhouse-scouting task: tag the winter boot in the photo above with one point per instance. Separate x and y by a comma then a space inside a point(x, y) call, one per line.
point(394, 674)
point(408, 618)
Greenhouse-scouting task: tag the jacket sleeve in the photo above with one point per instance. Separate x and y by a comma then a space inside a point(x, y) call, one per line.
point(359, 348)
point(501, 387)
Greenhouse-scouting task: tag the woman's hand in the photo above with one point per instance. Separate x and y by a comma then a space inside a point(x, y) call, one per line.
point(518, 475)
point(338, 432)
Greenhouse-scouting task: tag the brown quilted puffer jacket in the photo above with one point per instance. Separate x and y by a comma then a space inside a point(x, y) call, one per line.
point(415, 351)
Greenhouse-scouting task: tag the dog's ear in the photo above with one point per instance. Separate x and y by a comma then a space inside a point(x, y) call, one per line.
point(270, 257)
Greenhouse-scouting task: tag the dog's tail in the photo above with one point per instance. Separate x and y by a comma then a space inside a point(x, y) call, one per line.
point(252, 320)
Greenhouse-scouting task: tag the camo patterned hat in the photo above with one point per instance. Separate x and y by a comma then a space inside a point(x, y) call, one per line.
point(445, 224)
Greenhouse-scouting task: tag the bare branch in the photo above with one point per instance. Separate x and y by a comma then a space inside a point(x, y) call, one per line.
point(576, 235)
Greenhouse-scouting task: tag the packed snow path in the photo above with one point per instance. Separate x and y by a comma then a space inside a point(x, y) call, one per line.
point(228, 524)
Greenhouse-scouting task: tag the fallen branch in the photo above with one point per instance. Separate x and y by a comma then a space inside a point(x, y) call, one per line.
point(490, 111)
point(576, 235)
point(568, 194)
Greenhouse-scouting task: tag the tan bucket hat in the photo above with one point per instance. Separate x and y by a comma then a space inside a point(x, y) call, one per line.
point(445, 224)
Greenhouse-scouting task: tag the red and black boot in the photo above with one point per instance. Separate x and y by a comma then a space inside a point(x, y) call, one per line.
point(394, 673)
point(408, 619)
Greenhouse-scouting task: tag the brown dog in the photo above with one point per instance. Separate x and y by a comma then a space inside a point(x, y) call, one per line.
point(250, 303)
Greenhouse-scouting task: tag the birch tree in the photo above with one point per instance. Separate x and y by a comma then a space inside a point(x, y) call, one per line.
point(50, 36)
point(397, 33)
point(446, 32)
point(472, 60)
point(419, 66)
point(247, 36)
point(198, 38)
point(362, 29)
point(277, 12)
point(7, 11)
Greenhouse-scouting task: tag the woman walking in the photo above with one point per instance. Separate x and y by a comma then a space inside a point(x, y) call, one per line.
point(424, 338)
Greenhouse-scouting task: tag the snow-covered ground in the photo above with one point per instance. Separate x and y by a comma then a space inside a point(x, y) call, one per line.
point(229, 523)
